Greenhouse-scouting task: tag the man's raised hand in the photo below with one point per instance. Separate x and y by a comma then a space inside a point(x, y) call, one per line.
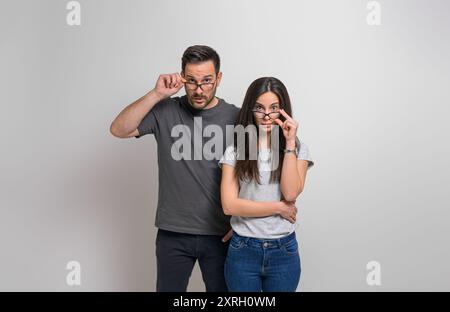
point(169, 84)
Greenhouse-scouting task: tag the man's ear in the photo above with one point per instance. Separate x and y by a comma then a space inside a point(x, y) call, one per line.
point(219, 78)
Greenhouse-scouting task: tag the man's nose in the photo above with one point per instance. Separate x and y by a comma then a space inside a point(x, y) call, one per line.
point(199, 90)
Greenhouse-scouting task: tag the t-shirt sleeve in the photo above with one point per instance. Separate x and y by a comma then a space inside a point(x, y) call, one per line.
point(304, 154)
point(229, 157)
point(150, 123)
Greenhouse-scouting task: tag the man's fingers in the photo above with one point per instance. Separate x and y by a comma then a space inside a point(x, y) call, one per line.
point(174, 80)
point(179, 81)
point(227, 236)
point(167, 81)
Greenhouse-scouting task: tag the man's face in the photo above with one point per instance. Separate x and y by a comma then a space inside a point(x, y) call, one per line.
point(204, 72)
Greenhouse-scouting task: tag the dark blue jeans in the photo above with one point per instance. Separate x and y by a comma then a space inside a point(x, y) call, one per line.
point(254, 264)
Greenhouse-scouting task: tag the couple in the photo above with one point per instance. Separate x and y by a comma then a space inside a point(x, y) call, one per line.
point(197, 196)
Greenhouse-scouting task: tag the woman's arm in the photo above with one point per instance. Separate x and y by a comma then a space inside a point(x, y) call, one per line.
point(293, 172)
point(291, 190)
point(235, 206)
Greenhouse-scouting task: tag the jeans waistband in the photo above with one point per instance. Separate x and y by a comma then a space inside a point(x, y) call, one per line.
point(266, 242)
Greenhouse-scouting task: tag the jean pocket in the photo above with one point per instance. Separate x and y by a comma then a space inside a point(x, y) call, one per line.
point(291, 247)
point(236, 243)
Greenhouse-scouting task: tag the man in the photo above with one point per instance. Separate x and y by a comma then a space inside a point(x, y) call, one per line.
point(190, 220)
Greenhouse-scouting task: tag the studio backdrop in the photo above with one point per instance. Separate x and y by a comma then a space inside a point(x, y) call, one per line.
point(369, 83)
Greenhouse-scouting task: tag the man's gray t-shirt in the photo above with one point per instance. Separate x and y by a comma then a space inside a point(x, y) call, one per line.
point(189, 189)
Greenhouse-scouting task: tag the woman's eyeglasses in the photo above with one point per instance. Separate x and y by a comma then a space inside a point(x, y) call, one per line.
point(262, 115)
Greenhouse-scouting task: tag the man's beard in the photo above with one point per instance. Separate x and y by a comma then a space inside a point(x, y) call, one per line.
point(206, 100)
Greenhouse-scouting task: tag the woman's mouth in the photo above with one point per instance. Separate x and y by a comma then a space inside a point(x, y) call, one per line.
point(267, 126)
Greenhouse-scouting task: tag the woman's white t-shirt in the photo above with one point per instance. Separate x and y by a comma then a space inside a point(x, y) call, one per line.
point(271, 227)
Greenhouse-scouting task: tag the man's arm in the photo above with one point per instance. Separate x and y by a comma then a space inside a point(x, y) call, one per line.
point(126, 123)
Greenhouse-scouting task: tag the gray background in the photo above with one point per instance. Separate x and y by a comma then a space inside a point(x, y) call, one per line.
point(372, 103)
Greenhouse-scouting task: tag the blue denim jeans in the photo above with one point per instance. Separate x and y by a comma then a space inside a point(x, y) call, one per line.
point(254, 264)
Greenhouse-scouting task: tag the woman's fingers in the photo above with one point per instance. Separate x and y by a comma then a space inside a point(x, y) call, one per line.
point(285, 114)
point(279, 122)
point(289, 121)
point(291, 124)
point(283, 124)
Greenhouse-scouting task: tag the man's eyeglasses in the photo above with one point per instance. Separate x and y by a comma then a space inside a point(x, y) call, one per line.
point(262, 115)
point(205, 86)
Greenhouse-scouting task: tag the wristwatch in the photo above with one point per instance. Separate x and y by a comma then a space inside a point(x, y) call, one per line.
point(294, 151)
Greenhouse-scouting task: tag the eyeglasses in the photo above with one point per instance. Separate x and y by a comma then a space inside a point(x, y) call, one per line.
point(205, 86)
point(262, 115)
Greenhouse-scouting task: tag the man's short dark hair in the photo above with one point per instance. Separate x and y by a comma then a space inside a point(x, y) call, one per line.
point(198, 54)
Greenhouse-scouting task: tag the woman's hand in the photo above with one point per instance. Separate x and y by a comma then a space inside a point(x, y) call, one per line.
point(288, 210)
point(289, 127)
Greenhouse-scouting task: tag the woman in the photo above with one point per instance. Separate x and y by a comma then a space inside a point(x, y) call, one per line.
point(263, 252)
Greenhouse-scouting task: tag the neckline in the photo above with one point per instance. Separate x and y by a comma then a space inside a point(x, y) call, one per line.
point(196, 111)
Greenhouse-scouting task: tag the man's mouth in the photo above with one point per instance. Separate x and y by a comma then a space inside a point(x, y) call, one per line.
point(199, 100)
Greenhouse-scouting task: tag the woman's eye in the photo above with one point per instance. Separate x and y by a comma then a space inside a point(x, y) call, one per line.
point(259, 108)
point(274, 108)
point(207, 80)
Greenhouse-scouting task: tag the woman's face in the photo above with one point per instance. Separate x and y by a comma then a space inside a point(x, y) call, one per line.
point(266, 110)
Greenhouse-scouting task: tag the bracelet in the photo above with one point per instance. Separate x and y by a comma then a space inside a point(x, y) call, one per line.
point(290, 151)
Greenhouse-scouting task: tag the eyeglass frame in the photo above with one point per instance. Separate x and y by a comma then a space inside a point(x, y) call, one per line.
point(266, 114)
point(201, 84)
